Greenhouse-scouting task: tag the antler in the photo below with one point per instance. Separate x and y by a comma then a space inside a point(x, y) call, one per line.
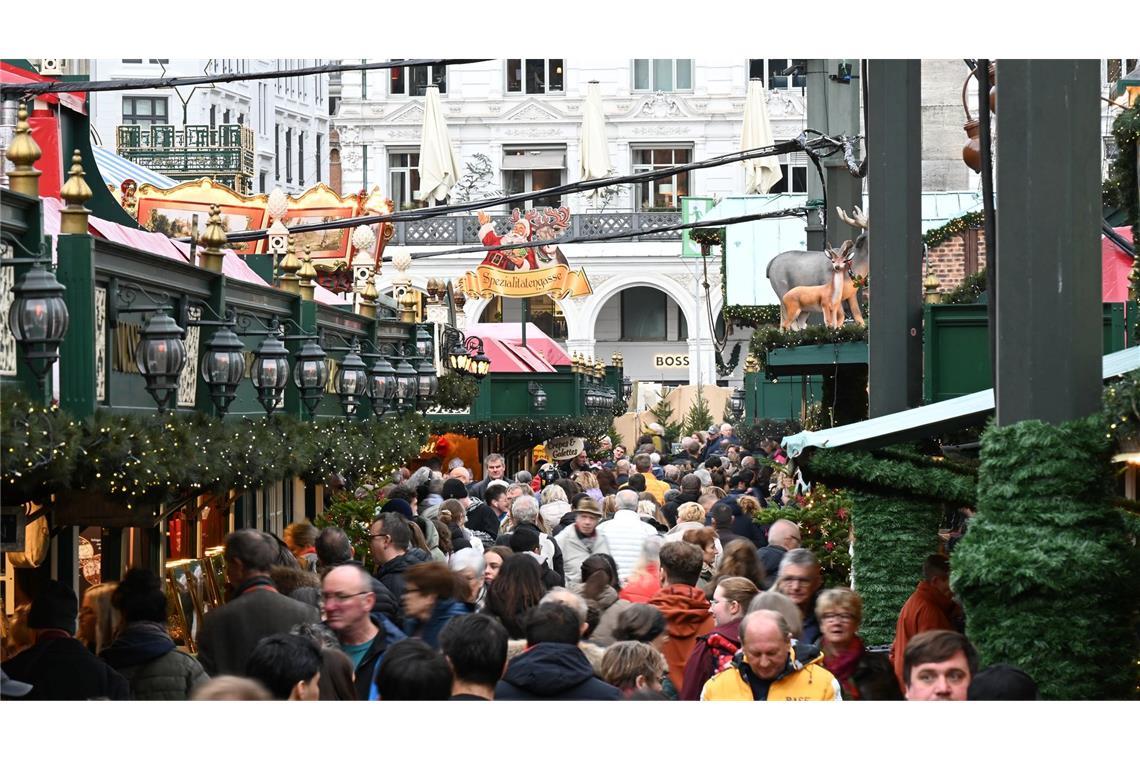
point(860, 219)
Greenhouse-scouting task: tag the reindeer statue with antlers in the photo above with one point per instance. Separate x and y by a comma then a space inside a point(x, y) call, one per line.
point(827, 298)
point(792, 269)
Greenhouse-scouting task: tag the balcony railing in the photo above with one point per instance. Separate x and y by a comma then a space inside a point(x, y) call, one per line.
point(224, 153)
point(464, 230)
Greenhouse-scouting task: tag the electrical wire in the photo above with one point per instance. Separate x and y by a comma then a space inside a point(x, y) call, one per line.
point(825, 145)
point(10, 89)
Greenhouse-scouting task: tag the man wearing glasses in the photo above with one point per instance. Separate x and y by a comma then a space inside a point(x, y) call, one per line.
point(799, 580)
point(388, 539)
point(346, 599)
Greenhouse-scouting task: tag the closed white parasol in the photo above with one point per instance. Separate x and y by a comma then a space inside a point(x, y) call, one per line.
point(759, 173)
point(439, 166)
point(595, 158)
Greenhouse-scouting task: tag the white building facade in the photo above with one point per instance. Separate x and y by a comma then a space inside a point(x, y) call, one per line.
point(288, 116)
point(523, 118)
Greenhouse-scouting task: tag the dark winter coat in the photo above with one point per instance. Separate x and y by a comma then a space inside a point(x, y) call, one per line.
point(145, 655)
point(230, 632)
point(428, 631)
point(712, 651)
point(553, 671)
point(366, 670)
point(391, 574)
point(480, 517)
point(770, 556)
point(60, 667)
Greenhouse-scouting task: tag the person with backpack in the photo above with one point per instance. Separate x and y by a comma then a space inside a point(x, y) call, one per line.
point(714, 651)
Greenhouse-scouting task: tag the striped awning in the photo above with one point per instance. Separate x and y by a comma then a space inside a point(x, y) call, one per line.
point(115, 169)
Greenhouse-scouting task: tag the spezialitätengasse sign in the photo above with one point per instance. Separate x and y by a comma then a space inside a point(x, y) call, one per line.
point(530, 270)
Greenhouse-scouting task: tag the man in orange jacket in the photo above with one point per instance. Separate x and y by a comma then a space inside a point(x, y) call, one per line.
point(929, 608)
point(685, 607)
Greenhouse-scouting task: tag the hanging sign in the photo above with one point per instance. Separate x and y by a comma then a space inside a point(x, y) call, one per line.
point(530, 270)
point(559, 449)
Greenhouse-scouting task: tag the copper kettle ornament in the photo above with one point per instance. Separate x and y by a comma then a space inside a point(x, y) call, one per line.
point(972, 150)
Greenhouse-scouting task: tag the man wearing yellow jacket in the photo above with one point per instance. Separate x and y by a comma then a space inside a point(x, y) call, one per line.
point(766, 669)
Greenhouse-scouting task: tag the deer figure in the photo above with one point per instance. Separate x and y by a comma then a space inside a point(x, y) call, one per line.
point(827, 298)
point(791, 269)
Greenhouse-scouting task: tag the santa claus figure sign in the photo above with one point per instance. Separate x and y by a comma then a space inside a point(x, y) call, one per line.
point(510, 259)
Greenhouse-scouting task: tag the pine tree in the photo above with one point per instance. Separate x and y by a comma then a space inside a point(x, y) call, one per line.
point(699, 417)
point(662, 411)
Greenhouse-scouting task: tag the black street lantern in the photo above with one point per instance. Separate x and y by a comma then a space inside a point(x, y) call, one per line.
point(381, 385)
point(424, 343)
point(352, 381)
point(480, 364)
point(428, 384)
point(160, 356)
point(38, 318)
point(407, 384)
point(223, 366)
point(459, 360)
point(311, 374)
point(537, 397)
point(270, 372)
point(736, 403)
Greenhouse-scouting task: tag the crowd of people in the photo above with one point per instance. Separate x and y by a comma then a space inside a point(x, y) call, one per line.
point(610, 577)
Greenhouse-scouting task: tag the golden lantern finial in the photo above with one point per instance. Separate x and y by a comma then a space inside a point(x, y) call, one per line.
point(368, 298)
point(307, 275)
point(75, 192)
point(290, 265)
point(930, 285)
point(212, 241)
point(23, 153)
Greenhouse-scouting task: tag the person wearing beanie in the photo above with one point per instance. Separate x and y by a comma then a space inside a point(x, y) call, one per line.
point(59, 666)
point(480, 517)
point(399, 506)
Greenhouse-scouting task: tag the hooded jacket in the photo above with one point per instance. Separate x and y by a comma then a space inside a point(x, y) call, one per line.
point(428, 631)
point(705, 661)
point(61, 667)
point(549, 671)
point(927, 609)
point(687, 616)
point(431, 535)
point(145, 655)
point(804, 679)
point(391, 573)
point(611, 608)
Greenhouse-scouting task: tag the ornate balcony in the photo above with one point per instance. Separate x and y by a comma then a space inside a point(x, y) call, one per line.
point(464, 230)
point(223, 153)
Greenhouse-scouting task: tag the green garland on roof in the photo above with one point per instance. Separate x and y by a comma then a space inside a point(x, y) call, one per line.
point(753, 316)
point(152, 459)
point(969, 290)
point(880, 472)
point(768, 338)
point(759, 429)
point(536, 429)
point(1048, 574)
point(971, 220)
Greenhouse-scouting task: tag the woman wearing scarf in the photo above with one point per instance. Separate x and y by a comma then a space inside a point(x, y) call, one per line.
point(861, 674)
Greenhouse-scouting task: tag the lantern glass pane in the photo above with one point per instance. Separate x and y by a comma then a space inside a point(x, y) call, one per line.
point(33, 321)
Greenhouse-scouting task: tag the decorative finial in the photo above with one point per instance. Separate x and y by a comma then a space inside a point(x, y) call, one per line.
point(23, 153)
point(75, 192)
point(290, 265)
point(307, 275)
point(930, 285)
point(212, 240)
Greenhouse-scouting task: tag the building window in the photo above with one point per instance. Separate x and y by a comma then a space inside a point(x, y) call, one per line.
point(144, 111)
point(262, 181)
point(404, 178)
point(213, 116)
point(277, 153)
point(663, 74)
point(534, 76)
point(414, 80)
point(364, 162)
point(643, 314)
point(774, 68)
point(542, 311)
point(301, 158)
point(667, 191)
point(317, 159)
point(793, 181)
point(226, 116)
point(528, 168)
point(289, 154)
point(1115, 68)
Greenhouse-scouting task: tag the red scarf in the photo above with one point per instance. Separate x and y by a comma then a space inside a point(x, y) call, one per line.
point(842, 665)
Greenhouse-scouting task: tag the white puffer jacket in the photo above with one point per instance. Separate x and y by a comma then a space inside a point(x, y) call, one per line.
point(625, 534)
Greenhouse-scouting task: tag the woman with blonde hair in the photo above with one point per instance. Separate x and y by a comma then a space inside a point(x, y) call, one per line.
point(553, 505)
point(609, 506)
point(861, 674)
point(714, 651)
point(588, 482)
point(99, 621)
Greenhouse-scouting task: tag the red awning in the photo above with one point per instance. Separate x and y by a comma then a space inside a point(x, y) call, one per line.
point(1115, 265)
point(503, 345)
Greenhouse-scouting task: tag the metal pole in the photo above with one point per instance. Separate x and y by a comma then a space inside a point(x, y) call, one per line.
point(525, 317)
point(1049, 314)
point(988, 209)
point(895, 185)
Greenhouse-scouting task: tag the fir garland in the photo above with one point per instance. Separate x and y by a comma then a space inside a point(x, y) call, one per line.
point(754, 434)
point(152, 459)
point(753, 316)
point(537, 429)
point(456, 391)
point(1121, 405)
point(969, 290)
point(723, 369)
point(706, 237)
point(971, 220)
point(1047, 573)
point(1120, 186)
point(886, 472)
point(769, 338)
